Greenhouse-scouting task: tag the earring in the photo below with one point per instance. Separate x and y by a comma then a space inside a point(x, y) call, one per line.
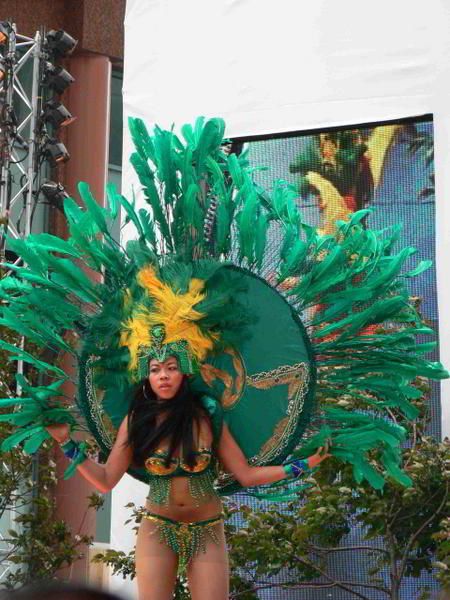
point(144, 391)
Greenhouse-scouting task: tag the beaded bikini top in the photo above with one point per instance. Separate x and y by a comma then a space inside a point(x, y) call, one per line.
point(156, 464)
point(201, 476)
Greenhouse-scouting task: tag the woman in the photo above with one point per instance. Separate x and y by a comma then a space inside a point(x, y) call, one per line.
point(179, 437)
point(190, 287)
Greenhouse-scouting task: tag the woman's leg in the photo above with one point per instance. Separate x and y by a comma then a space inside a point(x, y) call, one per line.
point(156, 564)
point(208, 574)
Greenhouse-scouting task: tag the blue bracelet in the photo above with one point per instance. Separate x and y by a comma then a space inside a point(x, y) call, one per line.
point(295, 468)
point(70, 449)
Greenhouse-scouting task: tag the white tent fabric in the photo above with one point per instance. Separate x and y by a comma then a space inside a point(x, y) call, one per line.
point(270, 67)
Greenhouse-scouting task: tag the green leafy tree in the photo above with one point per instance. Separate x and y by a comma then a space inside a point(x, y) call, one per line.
point(37, 545)
point(404, 531)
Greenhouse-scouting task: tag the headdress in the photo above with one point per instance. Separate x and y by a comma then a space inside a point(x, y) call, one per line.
point(165, 323)
point(279, 333)
point(160, 350)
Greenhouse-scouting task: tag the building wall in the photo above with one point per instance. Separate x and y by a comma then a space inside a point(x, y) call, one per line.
point(98, 27)
point(96, 24)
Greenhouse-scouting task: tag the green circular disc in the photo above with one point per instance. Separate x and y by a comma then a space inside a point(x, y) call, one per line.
point(265, 387)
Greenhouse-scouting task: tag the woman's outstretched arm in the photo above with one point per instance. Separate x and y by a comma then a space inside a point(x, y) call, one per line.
point(235, 462)
point(103, 477)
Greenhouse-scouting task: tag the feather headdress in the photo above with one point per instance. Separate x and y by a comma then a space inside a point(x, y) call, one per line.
point(164, 323)
point(278, 340)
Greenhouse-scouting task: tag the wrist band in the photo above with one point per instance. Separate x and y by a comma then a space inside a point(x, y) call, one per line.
point(77, 458)
point(69, 447)
point(295, 468)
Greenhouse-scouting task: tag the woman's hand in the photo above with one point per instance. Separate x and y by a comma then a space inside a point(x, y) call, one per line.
point(318, 457)
point(59, 432)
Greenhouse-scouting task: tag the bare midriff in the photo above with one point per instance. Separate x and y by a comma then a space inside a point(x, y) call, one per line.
point(181, 506)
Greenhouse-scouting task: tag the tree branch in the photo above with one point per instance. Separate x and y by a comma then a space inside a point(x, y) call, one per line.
point(339, 584)
point(312, 585)
point(347, 549)
point(408, 517)
point(419, 531)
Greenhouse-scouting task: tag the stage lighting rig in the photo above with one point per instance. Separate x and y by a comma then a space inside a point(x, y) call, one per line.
point(57, 78)
point(60, 42)
point(55, 152)
point(55, 194)
point(57, 114)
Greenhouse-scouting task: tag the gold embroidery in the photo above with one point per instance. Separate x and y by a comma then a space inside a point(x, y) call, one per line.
point(103, 423)
point(234, 386)
point(274, 440)
point(296, 377)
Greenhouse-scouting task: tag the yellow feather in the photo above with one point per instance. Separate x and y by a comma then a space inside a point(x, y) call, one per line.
point(173, 310)
point(147, 279)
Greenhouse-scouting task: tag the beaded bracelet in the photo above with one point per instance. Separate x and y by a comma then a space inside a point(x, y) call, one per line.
point(70, 448)
point(78, 457)
point(295, 468)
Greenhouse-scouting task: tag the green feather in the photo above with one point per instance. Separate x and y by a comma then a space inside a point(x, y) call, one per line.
point(262, 225)
point(96, 213)
point(421, 267)
point(29, 254)
point(51, 243)
point(13, 440)
point(111, 196)
point(147, 179)
point(34, 442)
point(19, 354)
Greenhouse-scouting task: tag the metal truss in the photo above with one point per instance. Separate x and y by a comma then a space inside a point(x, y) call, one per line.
point(20, 105)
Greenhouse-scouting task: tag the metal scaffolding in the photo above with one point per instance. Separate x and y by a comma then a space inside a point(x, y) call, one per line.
point(21, 105)
point(29, 79)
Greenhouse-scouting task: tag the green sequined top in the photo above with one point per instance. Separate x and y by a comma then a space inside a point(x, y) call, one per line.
point(201, 476)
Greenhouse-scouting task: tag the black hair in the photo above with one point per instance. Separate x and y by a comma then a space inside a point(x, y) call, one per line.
point(152, 421)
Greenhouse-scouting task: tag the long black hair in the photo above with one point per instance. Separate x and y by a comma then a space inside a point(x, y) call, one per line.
point(176, 423)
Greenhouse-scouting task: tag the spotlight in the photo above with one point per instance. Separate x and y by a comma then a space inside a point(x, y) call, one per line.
point(61, 42)
point(57, 78)
point(55, 152)
point(55, 193)
point(5, 30)
point(57, 114)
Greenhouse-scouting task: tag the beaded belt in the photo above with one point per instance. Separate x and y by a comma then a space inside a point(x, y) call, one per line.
point(185, 539)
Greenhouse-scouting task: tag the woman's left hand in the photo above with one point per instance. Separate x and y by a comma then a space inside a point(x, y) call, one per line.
point(318, 457)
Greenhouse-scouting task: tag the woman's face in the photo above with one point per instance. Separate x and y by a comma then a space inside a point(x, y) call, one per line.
point(165, 378)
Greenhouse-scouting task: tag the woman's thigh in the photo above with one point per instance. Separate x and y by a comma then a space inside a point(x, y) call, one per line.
point(208, 573)
point(156, 564)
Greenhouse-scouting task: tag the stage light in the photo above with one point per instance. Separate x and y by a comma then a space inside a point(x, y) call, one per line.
point(57, 114)
point(55, 193)
point(57, 78)
point(5, 30)
point(61, 42)
point(55, 152)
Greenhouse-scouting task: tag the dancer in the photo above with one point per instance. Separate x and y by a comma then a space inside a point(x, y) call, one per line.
point(187, 326)
point(179, 437)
